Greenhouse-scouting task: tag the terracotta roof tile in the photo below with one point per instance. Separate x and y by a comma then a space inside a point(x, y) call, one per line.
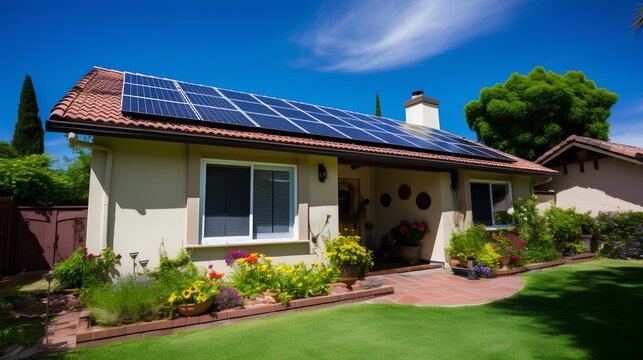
point(96, 98)
point(630, 151)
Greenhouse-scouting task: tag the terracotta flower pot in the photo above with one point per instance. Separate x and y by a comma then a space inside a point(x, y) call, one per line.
point(410, 254)
point(349, 275)
point(505, 260)
point(195, 309)
point(454, 263)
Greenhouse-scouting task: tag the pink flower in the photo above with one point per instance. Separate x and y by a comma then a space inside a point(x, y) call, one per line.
point(414, 226)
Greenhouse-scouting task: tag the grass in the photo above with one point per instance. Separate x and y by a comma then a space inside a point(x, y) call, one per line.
point(23, 292)
point(589, 311)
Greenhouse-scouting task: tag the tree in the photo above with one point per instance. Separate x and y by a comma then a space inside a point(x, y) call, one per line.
point(7, 151)
point(528, 115)
point(637, 25)
point(378, 109)
point(28, 135)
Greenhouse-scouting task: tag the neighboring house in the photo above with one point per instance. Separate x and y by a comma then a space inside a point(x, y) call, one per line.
point(596, 175)
point(213, 170)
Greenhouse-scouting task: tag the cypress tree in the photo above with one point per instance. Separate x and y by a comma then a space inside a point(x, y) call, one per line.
point(378, 109)
point(28, 135)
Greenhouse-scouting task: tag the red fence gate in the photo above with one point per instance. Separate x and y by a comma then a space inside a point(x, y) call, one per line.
point(36, 238)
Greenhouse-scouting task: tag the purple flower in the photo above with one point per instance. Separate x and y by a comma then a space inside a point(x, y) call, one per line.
point(210, 266)
point(228, 298)
point(234, 255)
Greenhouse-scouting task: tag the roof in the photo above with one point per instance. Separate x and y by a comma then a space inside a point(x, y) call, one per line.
point(93, 106)
point(632, 153)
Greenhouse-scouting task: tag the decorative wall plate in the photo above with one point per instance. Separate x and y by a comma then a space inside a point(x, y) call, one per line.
point(385, 199)
point(423, 201)
point(404, 192)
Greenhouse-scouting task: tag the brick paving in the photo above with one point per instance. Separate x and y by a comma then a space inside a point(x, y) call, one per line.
point(441, 288)
point(62, 332)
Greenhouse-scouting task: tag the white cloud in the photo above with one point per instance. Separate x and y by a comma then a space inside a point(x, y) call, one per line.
point(364, 36)
point(628, 133)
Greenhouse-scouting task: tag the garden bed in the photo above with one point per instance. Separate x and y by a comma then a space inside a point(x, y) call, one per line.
point(557, 262)
point(88, 335)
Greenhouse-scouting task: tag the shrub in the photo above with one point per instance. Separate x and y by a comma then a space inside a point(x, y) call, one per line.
point(300, 281)
point(82, 269)
point(565, 227)
point(128, 300)
point(489, 256)
point(346, 250)
point(542, 253)
point(509, 244)
point(531, 226)
point(410, 234)
point(467, 244)
point(622, 234)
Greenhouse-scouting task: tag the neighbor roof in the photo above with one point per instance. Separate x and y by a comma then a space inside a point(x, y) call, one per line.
point(628, 152)
point(93, 106)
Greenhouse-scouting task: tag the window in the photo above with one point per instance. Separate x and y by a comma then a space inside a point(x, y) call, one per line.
point(246, 201)
point(490, 202)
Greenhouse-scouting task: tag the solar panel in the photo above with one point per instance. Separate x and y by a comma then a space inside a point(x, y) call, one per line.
point(167, 98)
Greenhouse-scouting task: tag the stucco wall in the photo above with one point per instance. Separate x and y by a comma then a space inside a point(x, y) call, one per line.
point(614, 186)
point(154, 197)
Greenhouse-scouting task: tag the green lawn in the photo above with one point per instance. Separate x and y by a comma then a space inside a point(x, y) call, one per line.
point(592, 310)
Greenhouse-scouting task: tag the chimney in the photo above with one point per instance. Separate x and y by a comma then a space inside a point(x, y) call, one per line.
point(421, 110)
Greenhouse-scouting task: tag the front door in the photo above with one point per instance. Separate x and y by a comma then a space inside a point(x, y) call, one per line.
point(351, 209)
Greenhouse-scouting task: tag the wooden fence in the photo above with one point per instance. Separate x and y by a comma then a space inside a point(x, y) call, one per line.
point(36, 238)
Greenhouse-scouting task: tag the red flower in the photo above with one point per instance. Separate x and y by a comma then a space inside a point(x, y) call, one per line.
point(421, 227)
point(414, 226)
point(85, 249)
point(252, 259)
point(215, 275)
point(211, 275)
point(118, 257)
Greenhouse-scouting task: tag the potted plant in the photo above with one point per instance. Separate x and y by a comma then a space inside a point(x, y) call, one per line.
point(198, 298)
point(352, 259)
point(408, 237)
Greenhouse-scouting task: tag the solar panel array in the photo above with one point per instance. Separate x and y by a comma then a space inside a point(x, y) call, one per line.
point(166, 98)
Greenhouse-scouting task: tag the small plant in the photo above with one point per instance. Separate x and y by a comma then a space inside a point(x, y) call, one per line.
point(510, 245)
point(128, 300)
point(489, 256)
point(622, 234)
point(346, 250)
point(83, 269)
point(410, 234)
point(228, 298)
point(467, 245)
point(482, 270)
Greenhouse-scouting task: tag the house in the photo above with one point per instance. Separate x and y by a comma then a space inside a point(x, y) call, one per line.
point(596, 175)
point(213, 170)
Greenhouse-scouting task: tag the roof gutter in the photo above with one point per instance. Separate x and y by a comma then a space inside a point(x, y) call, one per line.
point(107, 177)
point(165, 135)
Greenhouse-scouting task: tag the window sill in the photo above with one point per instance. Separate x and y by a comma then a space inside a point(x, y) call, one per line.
point(499, 227)
point(247, 243)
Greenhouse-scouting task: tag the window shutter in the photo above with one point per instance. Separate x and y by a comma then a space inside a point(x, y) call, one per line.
point(227, 201)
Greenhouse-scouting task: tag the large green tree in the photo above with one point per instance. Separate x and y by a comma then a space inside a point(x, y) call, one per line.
point(637, 24)
point(378, 109)
point(28, 135)
point(529, 114)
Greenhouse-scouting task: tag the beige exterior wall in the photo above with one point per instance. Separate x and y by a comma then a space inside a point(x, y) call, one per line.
point(154, 197)
point(615, 186)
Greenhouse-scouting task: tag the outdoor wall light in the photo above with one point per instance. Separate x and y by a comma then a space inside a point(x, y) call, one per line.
point(322, 172)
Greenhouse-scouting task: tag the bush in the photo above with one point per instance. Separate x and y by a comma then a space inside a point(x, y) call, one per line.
point(542, 253)
point(82, 269)
point(530, 225)
point(468, 244)
point(489, 256)
point(565, 227)
point(622, 234)
point(128, 300)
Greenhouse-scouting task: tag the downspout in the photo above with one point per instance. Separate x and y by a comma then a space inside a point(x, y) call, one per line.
point(549, 179)
point(73, 141)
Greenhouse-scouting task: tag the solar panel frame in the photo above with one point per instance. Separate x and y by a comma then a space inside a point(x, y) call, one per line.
point(181, 100)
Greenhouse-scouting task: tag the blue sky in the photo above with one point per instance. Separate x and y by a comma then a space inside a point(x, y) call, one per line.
point(334, 53)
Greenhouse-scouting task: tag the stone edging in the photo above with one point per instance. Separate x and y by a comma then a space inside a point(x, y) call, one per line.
point(89, 336)
point(566, 260)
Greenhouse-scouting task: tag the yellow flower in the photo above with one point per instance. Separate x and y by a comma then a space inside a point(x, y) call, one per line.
point(186, 293)
point(241, 261)
point(299, 285)
point(172, 298)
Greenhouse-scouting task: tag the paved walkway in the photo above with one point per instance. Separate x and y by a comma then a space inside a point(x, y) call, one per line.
point(442, 288)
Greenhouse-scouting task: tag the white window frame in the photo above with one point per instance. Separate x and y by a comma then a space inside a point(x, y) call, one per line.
point(249, 239)
point(491, 182)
